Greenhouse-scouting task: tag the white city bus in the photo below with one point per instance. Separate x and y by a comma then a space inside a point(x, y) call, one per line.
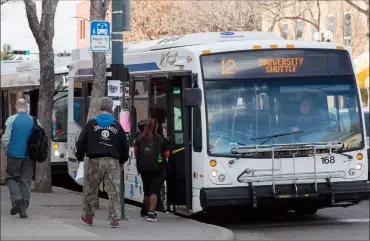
point(26, 80)
point(249, 120)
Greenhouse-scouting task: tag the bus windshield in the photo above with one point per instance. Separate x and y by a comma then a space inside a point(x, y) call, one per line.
point(59, 118)
point(317, 108)
point(367, 124)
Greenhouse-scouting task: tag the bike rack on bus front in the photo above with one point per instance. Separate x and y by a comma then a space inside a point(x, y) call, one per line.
point(293, 150)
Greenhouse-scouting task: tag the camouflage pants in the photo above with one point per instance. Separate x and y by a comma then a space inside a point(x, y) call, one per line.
point(95, 171)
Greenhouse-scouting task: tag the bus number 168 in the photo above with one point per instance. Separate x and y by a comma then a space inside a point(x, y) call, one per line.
point(328, 159)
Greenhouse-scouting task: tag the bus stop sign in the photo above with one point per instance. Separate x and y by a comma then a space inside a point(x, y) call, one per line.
point(99, 36)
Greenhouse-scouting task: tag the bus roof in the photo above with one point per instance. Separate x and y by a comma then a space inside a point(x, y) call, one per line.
point(199, 39)
point(27, 74)
point(204, 41)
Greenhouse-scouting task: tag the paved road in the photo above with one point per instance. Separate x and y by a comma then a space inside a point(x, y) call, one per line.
point(350, 223)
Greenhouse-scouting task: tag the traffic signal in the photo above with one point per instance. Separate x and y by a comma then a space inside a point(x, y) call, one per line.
point(21, 52)
point(64, 54)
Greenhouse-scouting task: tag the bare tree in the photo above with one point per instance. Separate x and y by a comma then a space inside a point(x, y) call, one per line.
point(307, 11)
point(359, 40)
point(43, 32)
point(215, 16)
point(98, 11)
point(364, 10)
point(155, 19)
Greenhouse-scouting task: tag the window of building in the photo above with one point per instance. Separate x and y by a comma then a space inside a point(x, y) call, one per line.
point(285, 30)
point(82, 29)
point(299, 32)
point(347, 29)
point(331, 23)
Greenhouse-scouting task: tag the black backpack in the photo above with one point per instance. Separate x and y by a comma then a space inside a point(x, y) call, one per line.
point(38, 145)
point(147, 156)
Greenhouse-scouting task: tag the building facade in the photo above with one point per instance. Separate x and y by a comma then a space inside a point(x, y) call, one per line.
point(83, 23)
point(299, 21)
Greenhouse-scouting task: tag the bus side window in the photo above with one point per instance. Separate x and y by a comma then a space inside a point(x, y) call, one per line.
point(141, 100)
point(79, 104)
point(197, 130)
point(88, 90)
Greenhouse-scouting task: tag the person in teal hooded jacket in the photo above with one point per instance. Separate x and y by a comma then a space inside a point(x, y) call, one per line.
point(104, 142)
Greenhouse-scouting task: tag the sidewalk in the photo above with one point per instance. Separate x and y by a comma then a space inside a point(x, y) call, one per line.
point(55, 216)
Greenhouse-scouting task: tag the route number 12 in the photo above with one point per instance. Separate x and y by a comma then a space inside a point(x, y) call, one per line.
point(227, 67)
point(328, 159)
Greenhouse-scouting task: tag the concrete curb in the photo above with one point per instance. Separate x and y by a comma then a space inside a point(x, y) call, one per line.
point(226, 234)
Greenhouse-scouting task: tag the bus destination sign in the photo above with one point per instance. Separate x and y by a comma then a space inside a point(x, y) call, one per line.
point(276, 63)
point(281, 65)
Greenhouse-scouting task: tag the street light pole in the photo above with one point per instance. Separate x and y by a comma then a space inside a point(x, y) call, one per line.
point(120, 23)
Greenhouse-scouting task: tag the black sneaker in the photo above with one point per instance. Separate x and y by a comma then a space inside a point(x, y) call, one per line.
point(22, 211)
point(152, 217)
point(16, 207)
point(143, 214)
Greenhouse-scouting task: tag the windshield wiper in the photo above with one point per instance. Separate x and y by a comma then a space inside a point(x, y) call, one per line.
point(274, 136)
point(229, 140)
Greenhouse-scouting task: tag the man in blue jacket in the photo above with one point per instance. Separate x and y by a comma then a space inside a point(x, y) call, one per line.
point(19, 169)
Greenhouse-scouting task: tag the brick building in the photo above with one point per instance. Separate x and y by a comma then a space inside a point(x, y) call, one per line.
point(83, 23)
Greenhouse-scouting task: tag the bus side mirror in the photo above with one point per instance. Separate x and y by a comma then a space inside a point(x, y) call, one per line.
point(192, 97)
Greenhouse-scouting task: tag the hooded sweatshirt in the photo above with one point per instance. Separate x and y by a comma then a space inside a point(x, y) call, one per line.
point(102, 137)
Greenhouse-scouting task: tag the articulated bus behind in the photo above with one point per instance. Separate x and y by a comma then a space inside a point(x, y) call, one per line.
point(25, 82)
point(59, 131)
point(257, 122)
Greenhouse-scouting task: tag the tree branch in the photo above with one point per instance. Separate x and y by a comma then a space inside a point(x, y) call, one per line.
point(318, 16)
point(274, 21)
point(366, 12)
point(297, 18)
point(33, 20)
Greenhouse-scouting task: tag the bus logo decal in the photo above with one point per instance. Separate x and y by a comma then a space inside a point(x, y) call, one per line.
point(227, 33)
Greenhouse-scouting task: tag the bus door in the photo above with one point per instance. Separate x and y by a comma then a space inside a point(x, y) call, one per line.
point(167, 92)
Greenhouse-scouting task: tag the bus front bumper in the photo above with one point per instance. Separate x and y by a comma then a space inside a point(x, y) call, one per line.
point(329, 194)
point(59, 168)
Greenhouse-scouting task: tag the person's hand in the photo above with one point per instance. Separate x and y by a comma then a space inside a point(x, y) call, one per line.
point(121, 167)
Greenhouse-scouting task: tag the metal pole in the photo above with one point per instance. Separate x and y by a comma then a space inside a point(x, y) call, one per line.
point(119, 8)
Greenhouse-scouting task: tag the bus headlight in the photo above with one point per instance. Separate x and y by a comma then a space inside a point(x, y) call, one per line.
point(358, 166)
point(351, 172)
point(214, 173)
point(56, 153)
point(221, 177)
